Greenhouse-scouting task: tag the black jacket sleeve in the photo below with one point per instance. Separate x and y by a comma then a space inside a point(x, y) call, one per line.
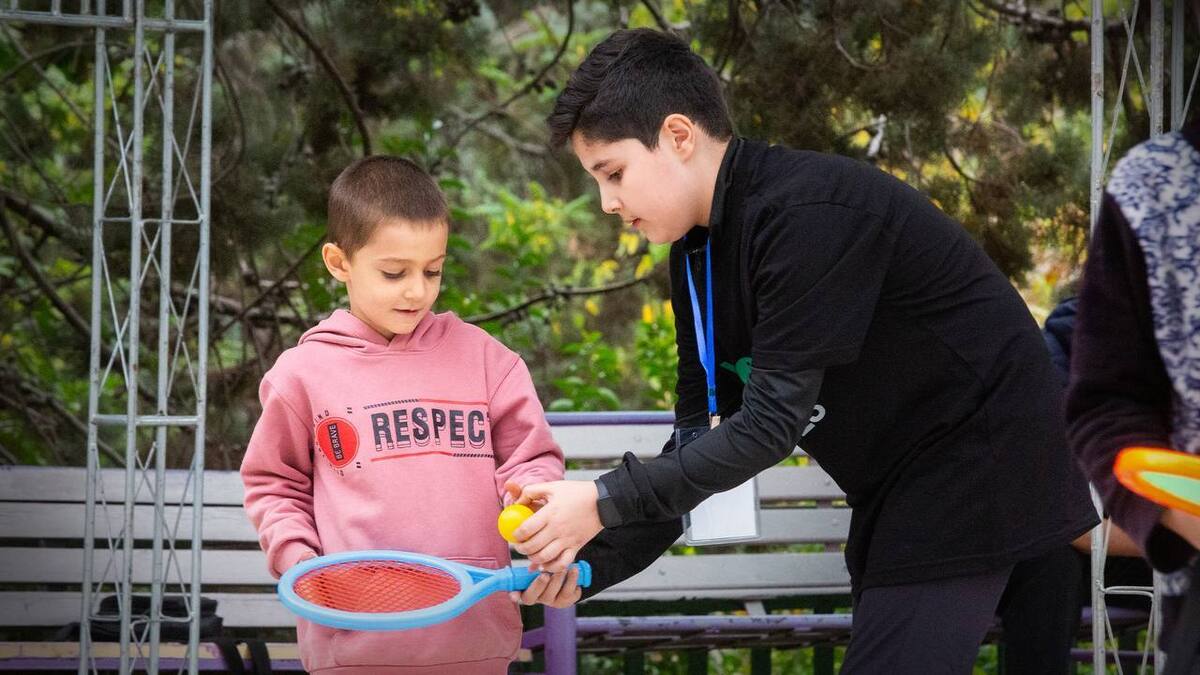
point(776, 405)
point(618, 553)
point(1119, 394)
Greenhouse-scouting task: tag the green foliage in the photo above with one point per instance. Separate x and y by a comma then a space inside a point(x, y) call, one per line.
point(985, 113)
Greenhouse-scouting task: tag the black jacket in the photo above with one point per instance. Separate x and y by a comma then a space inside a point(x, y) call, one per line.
point(939, 412)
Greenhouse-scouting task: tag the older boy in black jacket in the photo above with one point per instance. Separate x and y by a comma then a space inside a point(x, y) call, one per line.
point(840, 287)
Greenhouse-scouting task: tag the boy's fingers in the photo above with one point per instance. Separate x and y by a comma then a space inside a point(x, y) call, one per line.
point(554, 584)
point(570, 584)
point(555, 558)
point(535, 591)
point(533, 546)
point(564, 559)
point(548, 555)
point(534, 491)
point(512, 492)
point(570, 592)
point(528, 529)
point(568, 597)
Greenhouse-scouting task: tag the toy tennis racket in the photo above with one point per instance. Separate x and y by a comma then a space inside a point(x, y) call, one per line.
point(1164, 476)
point(394, 590)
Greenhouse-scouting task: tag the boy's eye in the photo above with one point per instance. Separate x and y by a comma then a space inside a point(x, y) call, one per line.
point(432, 274)
point(615, 176)
point(393, 275)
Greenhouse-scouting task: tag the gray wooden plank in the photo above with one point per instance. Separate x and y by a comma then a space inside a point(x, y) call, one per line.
point(56, 608)
point(69, 484)
point(777, 484)
point(759, 576)
point(611, 441)
point(248, 568)
point(224, 488)
point(64, 566)
point(48, 520)
point(731, 575)
point(744, 577)
point(44, 520)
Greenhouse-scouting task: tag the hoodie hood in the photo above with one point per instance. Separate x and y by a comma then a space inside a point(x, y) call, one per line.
point(343, 329)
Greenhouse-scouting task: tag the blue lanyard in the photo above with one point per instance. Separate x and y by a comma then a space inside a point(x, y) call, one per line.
point(705, 333)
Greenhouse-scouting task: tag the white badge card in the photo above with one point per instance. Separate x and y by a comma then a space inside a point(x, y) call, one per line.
point(726, 517)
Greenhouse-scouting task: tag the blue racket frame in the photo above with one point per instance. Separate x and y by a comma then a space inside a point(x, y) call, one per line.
point(475, 584)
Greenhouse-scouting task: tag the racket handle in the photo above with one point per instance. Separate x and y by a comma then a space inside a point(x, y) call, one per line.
point(522, 577)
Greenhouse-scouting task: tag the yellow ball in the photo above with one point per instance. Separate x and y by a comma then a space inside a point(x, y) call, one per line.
point(510, 519)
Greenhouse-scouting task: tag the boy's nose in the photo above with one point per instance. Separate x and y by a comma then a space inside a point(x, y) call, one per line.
point(414, 291)
point(609, 202)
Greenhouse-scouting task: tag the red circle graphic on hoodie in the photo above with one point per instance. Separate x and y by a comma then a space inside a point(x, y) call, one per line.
point(338, 440)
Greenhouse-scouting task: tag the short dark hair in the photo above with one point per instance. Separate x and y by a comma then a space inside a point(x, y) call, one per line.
point(630, 83)
point(376, 189)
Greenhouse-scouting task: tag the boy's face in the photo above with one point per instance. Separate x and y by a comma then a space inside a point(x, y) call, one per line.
point(654, 191)
point(395, 277)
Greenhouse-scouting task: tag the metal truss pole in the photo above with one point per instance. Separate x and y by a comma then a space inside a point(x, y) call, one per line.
point(122, 562)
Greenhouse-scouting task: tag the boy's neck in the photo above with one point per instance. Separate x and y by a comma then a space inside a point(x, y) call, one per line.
point(382, 332)
point(712, 154)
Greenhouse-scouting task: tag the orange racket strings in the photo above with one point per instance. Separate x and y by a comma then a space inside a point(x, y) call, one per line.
point(377, 586)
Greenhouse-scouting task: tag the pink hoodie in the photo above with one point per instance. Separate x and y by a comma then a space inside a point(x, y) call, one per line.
point(366, 443)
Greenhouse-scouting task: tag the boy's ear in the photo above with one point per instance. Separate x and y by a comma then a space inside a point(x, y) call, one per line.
point(336, 261)
point(678, 134)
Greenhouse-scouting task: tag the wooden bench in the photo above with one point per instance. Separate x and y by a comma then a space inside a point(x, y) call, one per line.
point(797, 563)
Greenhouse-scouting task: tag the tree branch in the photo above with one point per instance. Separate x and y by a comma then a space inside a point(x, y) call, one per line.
point(837, 42)
point(533, 82)
point(553, 293)
point(30, 266)
point(32, 58)
point(218, 332)
point(27, 210)
point(502, 135)
point(330, 68)
point(234, 102)
point(7, 455)
point(1042, 25)
point(659, 18)
point(16, 384)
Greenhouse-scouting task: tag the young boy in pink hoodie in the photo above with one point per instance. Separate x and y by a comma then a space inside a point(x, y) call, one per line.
point(391, 427)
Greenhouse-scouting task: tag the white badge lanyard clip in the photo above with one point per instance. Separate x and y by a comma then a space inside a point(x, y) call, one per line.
point(731, 515)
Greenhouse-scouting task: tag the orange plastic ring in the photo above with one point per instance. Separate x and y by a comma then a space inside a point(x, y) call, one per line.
point(1163, 476)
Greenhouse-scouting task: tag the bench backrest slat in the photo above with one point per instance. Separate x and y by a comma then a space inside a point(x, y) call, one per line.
point(228, 524)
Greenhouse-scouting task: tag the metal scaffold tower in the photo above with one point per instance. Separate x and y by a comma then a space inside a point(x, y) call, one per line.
point(1152, 64)
point(152, 94)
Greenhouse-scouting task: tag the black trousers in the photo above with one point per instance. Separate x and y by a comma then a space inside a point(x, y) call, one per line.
point(1040, 609)
point(929, 628)
point(1039, 612)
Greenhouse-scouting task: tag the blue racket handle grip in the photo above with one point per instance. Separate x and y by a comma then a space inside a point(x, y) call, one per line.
point(522, 576)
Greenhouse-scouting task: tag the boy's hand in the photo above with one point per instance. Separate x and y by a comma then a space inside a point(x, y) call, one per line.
point(512, 492)
point(553, 590)
point(552, 536)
